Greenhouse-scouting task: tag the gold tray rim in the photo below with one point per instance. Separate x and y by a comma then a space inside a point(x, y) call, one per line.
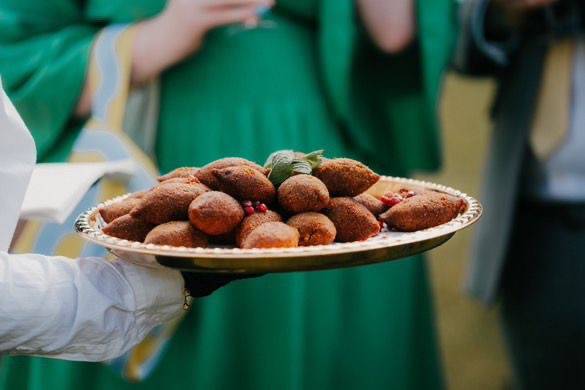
point(87, 227)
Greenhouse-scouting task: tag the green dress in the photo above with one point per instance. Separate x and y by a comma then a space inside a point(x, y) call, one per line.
point(312, 82)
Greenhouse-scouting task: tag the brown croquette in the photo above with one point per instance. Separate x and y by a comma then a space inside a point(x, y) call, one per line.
point(215, 213)
point(179, 173)
point(128, 228)
point(232, 202)
point(206, 176)
point(301, 193)
point(251, 222)
point(245, 183)
point(185, 179)
point(345, 177)
point(177, 233)
point(122, 207)
point(314, 228)
point(272, 235)
point(167, 202)
point(372, 203)
point(353, 221)
point(422, 211)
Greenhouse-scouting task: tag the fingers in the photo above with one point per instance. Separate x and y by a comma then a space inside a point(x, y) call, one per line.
point(252, 22)
point(235, 3)
point(232, 15)
point(245, 276)
point(203, 284)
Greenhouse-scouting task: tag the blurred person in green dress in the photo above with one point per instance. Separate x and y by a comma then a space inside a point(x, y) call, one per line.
point(358, 79)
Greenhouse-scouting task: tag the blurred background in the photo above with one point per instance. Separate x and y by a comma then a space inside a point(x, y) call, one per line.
point(472, 346)
point(282, 89)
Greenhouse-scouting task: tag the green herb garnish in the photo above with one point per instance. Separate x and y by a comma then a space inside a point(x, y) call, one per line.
point(286, 163)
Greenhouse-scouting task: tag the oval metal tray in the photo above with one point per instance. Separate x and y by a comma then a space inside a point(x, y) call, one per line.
point(386, 246)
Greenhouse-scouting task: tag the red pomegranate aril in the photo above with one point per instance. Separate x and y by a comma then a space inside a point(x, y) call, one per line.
point(406, 193)
point(391, 200)
point(261, 208)
point(249, 210)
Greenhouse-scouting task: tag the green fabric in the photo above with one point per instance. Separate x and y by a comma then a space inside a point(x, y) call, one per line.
point(44, 52)
point(312, 82)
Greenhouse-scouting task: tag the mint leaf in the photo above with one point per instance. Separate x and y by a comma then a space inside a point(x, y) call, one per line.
point(314, 158)
point(286, 163)
point(301, 166)
point(280, 172)
point(279, 156)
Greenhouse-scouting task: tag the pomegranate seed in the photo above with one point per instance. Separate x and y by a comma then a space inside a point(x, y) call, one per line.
point(261, 208)
point(405, 193)
point(391, 200)
point(249, 210)
point(247, 203)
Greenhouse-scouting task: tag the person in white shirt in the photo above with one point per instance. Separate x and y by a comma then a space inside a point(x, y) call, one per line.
point(88, 309)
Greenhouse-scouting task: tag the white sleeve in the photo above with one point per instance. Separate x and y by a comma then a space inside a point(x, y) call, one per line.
point(87, 309)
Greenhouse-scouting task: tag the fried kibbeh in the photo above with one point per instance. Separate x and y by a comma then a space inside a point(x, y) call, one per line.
point(345, 177)
point(228, 202)
point(177, 233)
point(215, 213)
point(251, 222)
point(302, 193)
point(128, 228)
point(168, 202)
point(245, 183)
point(314, 228)
point(179, 173)
point(352, 220)
point(206, 176)
point(272, 235)
point(119, 208)
point(185, 179)
point(372, 203)
point(422, 211)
